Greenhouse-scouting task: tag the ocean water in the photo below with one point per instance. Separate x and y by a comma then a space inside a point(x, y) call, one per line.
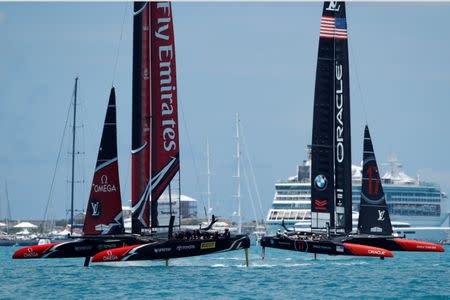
point(282, 275)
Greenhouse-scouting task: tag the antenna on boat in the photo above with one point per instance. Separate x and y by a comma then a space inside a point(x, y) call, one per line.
point(8, 208)
point(73, 152)
point(208, 173)
point(238, 175)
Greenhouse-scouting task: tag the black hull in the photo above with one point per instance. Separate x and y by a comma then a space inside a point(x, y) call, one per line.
point(323, 246)
point(320, 247)
point(169, 249)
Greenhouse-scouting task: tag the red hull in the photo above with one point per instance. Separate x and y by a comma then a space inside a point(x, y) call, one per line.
point(413, 245)
point(116, 254)
point(363, 250)
point(34, 251)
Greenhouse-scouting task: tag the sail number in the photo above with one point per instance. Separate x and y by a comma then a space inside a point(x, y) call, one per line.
point(374, 180)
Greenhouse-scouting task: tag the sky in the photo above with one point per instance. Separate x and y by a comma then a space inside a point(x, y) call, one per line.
point(257, 59)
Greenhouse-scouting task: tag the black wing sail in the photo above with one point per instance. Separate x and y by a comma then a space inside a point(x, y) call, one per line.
point(331, 193)
point(373, 210)
point(104, 209)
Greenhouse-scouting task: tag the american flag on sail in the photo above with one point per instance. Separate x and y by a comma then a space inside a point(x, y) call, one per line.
point(331, 27)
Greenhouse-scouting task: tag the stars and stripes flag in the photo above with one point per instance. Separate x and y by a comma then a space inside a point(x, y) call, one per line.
point(331, 27)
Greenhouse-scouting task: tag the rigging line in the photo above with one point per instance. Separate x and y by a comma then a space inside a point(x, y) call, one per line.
point(250, 195)
point(197, 181)
point(123, 190)
point(58, 158)
point(120, 42)
point(252, 173)
point(82, 161)
point(8, 204)
point(355, 68)
point(7, 221)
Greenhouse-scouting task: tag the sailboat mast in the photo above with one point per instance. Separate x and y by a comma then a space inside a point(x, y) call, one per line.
point(179, 199)
point(73, 153)
point(8, 208)
point(331, 188)
point(238, 175)
point(208, 173)
point(140, 127)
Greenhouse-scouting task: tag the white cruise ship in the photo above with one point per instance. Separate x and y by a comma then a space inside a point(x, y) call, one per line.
point(418, 209)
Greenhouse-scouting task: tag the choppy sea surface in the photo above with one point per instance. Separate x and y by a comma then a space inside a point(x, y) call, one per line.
point(282, 275)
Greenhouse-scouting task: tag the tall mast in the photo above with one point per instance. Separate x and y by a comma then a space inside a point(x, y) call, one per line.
point(331, 198)
point(1, 210)
point(140, 126)
point(238, 175)
point(8, 208)
point(208, 173)
point(73, 152)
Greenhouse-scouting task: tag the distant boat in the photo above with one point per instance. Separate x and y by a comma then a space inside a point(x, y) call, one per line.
point(24, 237)
point(5, 239)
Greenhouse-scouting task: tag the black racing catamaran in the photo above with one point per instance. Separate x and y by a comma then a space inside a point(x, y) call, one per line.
point(155, 154)
point(374, 224)
point(331, 192)
point(103, 224)
point(331, 202)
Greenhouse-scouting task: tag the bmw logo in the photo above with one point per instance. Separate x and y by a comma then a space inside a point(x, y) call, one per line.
point(320, 182)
